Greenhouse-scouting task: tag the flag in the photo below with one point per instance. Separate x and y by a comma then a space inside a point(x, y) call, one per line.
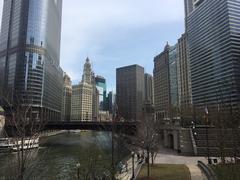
point(206, 110)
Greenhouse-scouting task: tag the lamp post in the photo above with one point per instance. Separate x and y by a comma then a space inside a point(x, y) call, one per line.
point(78, 170)
point(133, 175)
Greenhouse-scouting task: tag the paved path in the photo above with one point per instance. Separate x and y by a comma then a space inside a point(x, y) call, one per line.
point(127, 174)
point(166, 156)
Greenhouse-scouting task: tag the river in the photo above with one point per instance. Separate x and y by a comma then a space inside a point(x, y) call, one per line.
point(58, 156)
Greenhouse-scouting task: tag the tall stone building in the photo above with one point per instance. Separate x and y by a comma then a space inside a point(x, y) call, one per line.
point(214, 43)
point(165, 75)
point(82, 96)
point(130, 92)
point(30, 55)
point(148, 84)
point(184, 76)
point(162, 84)
point(67, 96)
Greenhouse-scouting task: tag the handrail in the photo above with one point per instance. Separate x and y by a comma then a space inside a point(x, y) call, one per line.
point(207, 171)
point(193, 142)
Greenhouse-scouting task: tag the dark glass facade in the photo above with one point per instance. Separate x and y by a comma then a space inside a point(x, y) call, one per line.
point(29, 55)
point(130, 92)
point(214, 49)
point(102, 89)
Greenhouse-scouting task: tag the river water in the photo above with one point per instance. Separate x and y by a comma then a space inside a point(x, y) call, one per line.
point(58, 155)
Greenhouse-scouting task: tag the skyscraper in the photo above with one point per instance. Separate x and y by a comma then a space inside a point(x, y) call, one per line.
point(166, 83)
point(130, 92)
point(30, 55)
point(184, 77)
point(67, 96)
point(82, 96)
point(173, 76)
point(162, 84)
point(102, 89)
point(148, 84)
point(214, 43)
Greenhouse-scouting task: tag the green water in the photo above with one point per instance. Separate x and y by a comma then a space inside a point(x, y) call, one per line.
point(58, 155)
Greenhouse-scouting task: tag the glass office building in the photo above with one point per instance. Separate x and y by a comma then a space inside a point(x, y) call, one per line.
point(30, 53)
point(214, 49)
point(130, 92)
point(173, 75)
point(102, 89)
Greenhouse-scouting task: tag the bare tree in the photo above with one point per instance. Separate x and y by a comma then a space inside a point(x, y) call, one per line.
point(147, 137)
point(23, 129)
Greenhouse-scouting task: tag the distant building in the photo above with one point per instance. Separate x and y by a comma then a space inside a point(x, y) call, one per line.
point(102, 89)
point(148, 84)
point(82, 96)
point(162, 98)
point(184, 77)
point(95, 99)
point(214, 43)
point(67, 96)
point(110, 102)
point(130, 92)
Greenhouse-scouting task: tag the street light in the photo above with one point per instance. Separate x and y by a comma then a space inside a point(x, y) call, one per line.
point(78, 170)
point(133, 176)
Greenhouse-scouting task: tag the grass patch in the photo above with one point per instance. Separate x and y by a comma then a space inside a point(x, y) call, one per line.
point(227, 171)
point(165, 171)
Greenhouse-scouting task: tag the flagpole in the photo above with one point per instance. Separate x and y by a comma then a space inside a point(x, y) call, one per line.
point(206, 117)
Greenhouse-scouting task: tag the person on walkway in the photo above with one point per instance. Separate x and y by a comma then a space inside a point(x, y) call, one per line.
point(126, 166)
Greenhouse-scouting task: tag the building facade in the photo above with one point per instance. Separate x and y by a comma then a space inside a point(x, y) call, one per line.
point(30, 55)
point(184, 76)
point(130, 92)
point(161, 77)
point(173, 76)
point(148, 84)
point(82, 96)
point(214, 43)
point(110, 102)
point(102, 89)
point(67, 96)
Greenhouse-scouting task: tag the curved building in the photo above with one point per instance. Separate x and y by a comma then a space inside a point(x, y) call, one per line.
point(30, 53)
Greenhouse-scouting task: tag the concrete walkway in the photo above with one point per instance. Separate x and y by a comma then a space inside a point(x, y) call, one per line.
point(196, 173)
point(127, 173)
point(166, 156)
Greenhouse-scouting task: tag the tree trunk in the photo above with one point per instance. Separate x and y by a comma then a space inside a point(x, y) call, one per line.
point(152, 158)
point(148, 173)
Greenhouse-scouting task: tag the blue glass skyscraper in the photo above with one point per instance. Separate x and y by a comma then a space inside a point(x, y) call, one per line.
point(30, 55)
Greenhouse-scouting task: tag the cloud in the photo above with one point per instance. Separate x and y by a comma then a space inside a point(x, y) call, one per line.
point(115, 33)
point(88, 26)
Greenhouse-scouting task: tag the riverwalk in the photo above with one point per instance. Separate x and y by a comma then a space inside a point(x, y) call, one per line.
point(166, 156)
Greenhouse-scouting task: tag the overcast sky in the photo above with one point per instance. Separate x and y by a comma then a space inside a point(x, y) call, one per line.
point(115, 33)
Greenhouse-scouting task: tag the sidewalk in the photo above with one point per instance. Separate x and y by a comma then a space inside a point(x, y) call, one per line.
point(166, 156)
point(127, 175)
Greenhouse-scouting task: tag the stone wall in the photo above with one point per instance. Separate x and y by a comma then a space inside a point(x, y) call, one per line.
point(2, 123)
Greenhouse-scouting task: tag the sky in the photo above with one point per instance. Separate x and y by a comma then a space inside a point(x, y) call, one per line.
point(116, 33)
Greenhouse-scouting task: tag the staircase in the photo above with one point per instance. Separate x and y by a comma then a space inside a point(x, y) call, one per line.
point(219, 141)
point(186, 146)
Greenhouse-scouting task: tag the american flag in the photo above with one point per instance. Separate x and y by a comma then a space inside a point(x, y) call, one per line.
point(206, 110)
